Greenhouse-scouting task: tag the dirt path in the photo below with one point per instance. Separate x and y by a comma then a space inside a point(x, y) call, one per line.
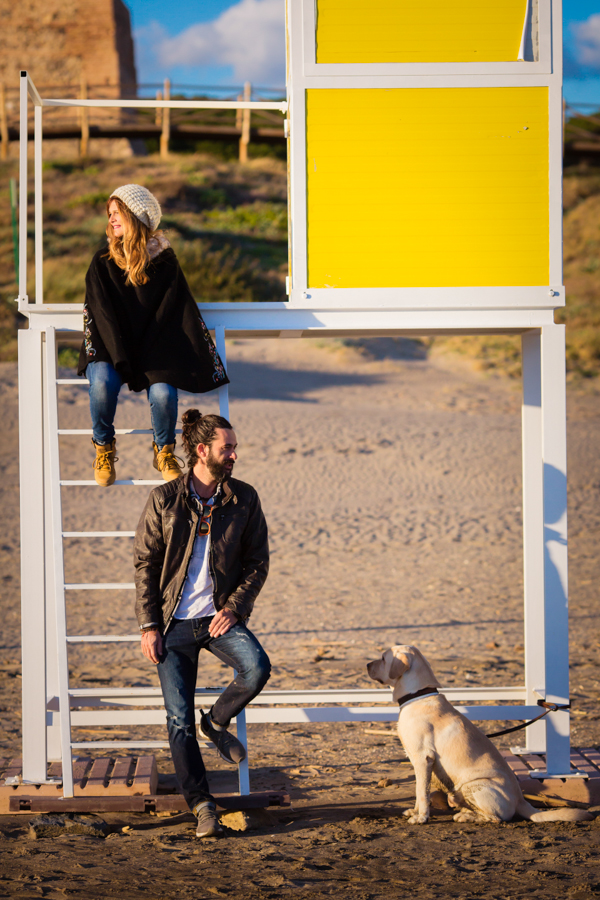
point(391, 485)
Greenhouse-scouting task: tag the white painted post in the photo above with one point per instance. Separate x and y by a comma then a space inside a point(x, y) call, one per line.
point(53, 741)
point(166, 124)
point(243, 767)
point(23, 190)
point(224, 390)
point(56, 565)
point(31, 477)
point(39, 215)
point(533, 545)
point(554, 448)
point(245, 136)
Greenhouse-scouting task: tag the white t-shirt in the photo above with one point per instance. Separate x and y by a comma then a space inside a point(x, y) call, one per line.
point(197, 595)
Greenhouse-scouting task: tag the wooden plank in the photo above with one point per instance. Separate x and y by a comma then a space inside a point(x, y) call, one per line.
point(256, 800)
point(534, 760)
point(158, 803)
point(55, 769)
point(120, 777)
point(578, 761)
point(97, 778)
point(81, 765)
point(145, 779)
point(516, 764)
point(593, 756)
point(14, 768)
point(24, 803)
point(569, 788)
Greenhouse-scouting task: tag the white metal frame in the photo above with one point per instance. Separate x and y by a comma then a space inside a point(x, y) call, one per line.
point(306, 74)
point(50, 706)
point(307, 9)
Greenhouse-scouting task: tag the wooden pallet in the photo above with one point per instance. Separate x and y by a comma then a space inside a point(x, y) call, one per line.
point(128, 776)
point(583, 789)
point(110, 784)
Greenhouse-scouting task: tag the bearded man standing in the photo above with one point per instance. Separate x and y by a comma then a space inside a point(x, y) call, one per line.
point(201, 556)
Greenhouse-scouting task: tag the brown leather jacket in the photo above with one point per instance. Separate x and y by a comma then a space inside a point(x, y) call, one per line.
point(164, 539)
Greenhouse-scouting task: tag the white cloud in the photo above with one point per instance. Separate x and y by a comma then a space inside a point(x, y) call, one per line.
point(587, 41)
point(249, 37)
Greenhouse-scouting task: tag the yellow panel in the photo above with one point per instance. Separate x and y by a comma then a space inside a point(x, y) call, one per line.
point(401, 31)
point(427, 187)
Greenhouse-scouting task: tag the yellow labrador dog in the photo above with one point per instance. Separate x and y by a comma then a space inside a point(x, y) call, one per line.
point(450, 753)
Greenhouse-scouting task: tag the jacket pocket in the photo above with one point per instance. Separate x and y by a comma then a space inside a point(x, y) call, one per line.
point(232, 526)
point(176, 529)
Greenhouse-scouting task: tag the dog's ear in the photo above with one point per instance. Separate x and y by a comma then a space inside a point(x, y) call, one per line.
point(401, 662)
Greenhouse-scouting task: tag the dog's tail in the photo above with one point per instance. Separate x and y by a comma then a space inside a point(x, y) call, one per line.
point(562, 814)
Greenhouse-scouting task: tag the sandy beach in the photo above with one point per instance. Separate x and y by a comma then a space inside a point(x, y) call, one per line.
point(391, 483)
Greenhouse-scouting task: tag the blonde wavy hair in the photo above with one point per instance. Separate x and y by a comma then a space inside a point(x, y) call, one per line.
point(130, 251)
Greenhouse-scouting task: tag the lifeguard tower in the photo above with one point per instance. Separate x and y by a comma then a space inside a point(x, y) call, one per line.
point(425, 161)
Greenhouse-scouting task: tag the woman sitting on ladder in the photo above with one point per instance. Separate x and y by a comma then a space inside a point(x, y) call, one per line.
point(142, 327)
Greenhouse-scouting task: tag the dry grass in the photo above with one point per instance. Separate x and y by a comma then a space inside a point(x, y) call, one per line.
point(228, 224)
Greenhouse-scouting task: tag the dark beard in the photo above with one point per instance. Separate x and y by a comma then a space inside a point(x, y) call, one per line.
point(219, 471)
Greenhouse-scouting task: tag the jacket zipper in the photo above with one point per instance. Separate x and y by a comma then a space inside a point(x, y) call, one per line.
point(189, 550)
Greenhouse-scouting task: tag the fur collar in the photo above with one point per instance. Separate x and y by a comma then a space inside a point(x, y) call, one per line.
point(157, 243)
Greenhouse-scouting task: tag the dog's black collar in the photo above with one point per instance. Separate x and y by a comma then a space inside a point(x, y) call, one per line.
point(421, 693)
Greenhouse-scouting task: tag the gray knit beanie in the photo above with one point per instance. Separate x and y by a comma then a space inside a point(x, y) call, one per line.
point(141, 203)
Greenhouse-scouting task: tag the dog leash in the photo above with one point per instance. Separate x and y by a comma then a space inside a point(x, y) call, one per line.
point(549, 707)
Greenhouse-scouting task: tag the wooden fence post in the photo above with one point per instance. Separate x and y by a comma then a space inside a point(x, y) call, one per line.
point(159, 113)
point(3, 124)
point(85, 122)
point(245, 138)
point(238, 115)
point(166, 123)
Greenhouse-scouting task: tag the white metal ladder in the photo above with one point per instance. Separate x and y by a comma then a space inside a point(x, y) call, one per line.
point(57, 573)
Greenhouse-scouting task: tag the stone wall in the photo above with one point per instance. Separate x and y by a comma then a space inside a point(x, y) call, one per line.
point(61, 42)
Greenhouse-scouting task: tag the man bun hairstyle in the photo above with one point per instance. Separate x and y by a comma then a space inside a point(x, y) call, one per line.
point(199, 429)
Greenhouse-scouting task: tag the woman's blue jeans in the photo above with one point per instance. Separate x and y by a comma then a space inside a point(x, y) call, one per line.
point(178, 671)
point(105, 384)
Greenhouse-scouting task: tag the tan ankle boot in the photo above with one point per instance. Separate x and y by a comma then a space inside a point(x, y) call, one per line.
point(166, 462)
point(104, 464)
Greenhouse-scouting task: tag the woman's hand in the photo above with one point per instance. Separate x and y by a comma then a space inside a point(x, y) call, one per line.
point(152, 645)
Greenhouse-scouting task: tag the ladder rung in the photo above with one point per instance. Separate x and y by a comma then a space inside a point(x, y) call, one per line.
point(97, 534)
point(76, 431)
point(134, 481)
point(100, 638)
point(101, 745)
point(110, 586)
point(133, 692)
point(72, 381)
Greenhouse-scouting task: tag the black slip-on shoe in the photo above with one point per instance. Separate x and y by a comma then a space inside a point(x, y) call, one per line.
point(228, 746)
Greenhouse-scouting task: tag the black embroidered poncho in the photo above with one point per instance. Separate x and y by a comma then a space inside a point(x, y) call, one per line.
point(152, 332)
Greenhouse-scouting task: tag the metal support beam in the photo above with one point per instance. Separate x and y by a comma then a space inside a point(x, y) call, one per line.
point(33, 613)
point(533, 544)
point(23, 298)
point(222, 351)
point(556, 620)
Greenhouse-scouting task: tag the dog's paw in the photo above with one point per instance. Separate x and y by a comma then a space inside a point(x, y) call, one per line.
point(409, 812)
point(466, 815)
point(417, 819)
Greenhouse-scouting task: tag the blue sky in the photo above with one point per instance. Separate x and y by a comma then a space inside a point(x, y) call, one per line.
point(243, 39)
